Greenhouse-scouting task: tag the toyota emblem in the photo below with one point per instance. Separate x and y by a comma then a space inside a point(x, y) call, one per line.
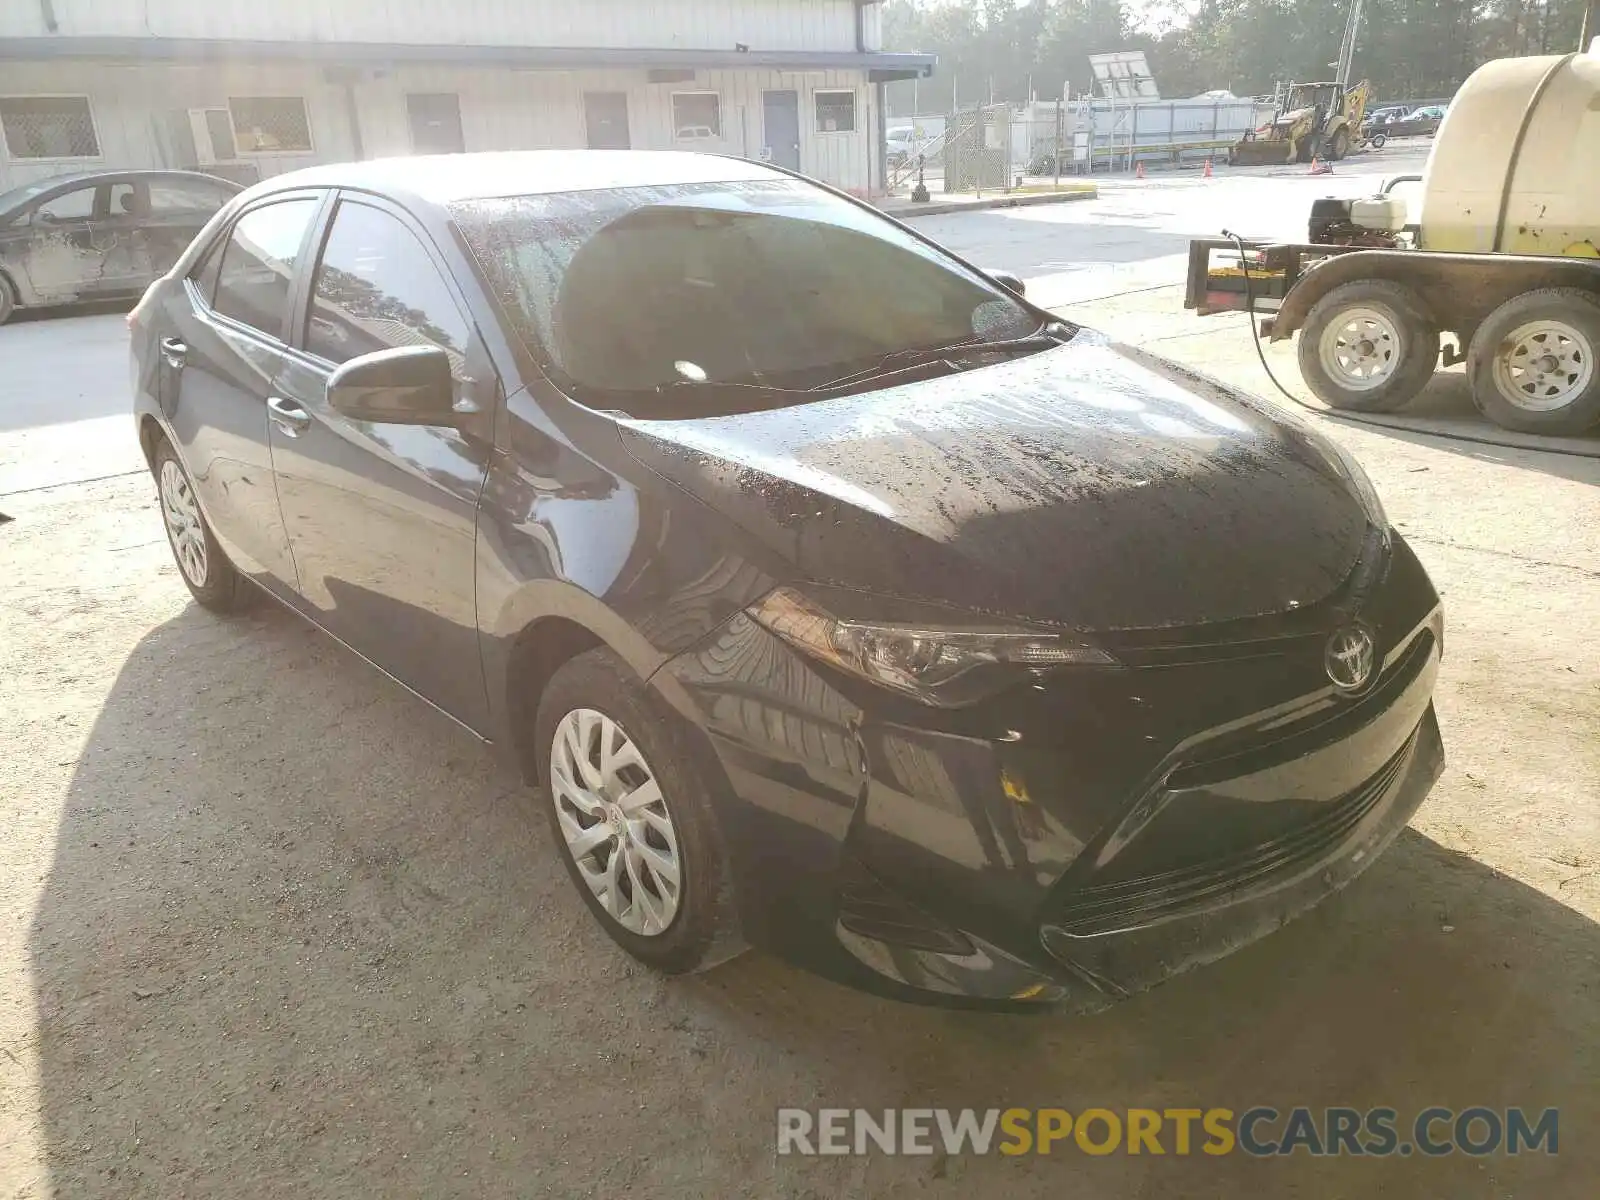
point(1348, 658)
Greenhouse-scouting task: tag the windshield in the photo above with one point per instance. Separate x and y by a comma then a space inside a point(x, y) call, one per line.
point(770, 286)
point(17, 196)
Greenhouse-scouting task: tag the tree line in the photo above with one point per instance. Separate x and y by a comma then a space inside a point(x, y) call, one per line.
point(1011, 50)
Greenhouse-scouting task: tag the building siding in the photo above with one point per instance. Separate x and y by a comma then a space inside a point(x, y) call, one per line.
point(501, 109)
point(661, 24)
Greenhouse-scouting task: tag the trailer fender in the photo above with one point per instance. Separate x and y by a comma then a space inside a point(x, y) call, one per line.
point(1459, 290)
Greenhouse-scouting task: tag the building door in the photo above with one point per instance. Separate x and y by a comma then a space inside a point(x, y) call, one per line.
point(435, 119)
point(605, 117)
point(780, 127)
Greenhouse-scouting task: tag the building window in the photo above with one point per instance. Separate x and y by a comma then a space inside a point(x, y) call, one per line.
point(696, 116)
point(270, 124)
point(48, 127)
point(836, 112)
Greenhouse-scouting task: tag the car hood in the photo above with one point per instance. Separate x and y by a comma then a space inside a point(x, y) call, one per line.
point(1091, 485)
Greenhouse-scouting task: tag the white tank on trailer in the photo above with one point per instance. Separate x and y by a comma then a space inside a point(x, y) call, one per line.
point(1515, 167)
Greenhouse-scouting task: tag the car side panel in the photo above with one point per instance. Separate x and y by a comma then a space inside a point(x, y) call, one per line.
point(591, 537)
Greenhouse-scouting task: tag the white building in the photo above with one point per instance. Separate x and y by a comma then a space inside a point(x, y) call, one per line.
point(255, 89)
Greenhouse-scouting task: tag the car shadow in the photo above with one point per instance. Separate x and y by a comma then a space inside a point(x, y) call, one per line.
point(300, 932)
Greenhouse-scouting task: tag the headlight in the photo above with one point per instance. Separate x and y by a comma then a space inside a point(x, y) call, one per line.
point(945, 665)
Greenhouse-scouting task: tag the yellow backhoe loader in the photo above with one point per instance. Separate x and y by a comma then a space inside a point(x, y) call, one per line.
point(1308, 109)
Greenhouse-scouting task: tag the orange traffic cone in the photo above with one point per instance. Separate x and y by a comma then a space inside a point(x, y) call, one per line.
point(1138, 170)
point(1206, 174)
point(1318, 167)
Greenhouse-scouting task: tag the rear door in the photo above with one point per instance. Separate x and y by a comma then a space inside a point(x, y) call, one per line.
point(382, 517)
point(118, 233)
point(222, 345)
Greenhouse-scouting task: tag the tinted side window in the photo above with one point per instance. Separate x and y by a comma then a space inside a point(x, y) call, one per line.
point(171, 196)
point(258, 264)
point(376, 288)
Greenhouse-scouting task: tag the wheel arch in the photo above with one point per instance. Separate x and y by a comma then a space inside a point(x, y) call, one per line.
point(1458, 290)
point(150, 434)
point(536, 653)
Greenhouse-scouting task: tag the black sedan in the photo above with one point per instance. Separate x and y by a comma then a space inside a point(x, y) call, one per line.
point(99, 236)
point(1415, 123)
point(840, 601)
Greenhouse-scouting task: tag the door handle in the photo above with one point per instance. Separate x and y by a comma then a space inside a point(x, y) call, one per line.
point(174, 351)
point(288, 416)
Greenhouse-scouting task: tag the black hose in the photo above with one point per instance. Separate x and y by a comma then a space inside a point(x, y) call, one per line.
point(1356, 418)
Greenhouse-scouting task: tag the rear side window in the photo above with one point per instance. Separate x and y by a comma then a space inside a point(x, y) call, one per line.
point(170, 197)
point(377, 288)
point(258, 263)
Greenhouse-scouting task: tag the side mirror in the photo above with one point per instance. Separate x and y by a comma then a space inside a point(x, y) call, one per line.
point(1009, 281)
point(410, 385)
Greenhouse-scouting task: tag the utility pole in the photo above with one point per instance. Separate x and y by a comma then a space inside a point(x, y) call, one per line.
point(1591, 25)
point(1347, 48)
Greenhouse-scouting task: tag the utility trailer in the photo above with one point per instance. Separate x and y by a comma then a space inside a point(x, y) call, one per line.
point(1501, 269)
point(1374, 323)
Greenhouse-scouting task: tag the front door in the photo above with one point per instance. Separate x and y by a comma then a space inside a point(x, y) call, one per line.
point(435, 119)
point(58, 246)
point(605, 119)
point(780, 126)
point(382, 517)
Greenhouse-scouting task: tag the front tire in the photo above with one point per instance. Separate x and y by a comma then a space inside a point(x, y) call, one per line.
point(1533, 362)
point(209, 576)
point(631, 812)
point(1368, 346)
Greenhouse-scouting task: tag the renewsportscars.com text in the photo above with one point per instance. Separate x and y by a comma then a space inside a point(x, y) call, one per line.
point(1260, 1131)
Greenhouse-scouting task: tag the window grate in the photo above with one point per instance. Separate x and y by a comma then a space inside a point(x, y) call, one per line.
point(48, 127)
point(270, 124)
point(836, 112)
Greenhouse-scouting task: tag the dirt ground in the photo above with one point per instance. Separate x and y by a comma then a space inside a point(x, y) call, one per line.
point(268, 926)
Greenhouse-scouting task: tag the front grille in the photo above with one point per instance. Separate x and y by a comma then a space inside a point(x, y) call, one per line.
point(1129, 903)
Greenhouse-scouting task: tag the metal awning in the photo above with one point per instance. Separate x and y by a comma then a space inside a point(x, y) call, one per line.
point(880, 67)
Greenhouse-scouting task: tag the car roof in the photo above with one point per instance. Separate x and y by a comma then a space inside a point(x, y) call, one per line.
point(28, 192)
point(446, 178)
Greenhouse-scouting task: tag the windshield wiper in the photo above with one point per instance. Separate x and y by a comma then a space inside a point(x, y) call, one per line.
point(917, 356)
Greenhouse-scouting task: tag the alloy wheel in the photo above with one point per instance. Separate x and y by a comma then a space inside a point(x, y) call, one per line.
point(615, 821)
point(184, 528)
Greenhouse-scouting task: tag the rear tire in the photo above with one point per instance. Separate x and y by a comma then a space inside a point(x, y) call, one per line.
point(594, 711)
point(8, 299)
point(206, 571)
point(1368, 346)
point(1534, 363)
point(1340, 146)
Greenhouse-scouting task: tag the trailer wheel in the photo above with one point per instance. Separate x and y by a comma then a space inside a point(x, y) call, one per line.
point(1533, 364)
point(1368, 346)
